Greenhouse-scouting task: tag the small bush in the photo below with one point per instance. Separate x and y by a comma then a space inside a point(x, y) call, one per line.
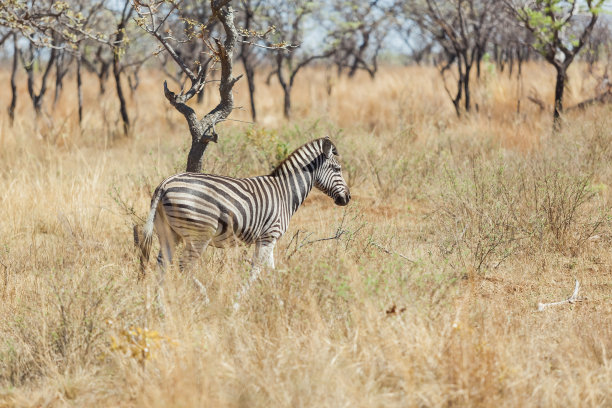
point(490, 209)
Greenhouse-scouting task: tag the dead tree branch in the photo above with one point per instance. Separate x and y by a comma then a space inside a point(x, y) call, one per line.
point(572, 299)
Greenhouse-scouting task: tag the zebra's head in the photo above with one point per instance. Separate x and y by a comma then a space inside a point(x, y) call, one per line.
point(328, 177)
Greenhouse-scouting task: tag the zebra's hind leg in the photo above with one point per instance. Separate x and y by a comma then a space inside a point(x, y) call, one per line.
point(168, 240)
point(193, 251)
point(263, 256)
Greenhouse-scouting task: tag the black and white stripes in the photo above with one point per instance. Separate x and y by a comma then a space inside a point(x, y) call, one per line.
point(204, 209)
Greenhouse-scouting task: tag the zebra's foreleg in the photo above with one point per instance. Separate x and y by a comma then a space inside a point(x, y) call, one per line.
point(264, 256)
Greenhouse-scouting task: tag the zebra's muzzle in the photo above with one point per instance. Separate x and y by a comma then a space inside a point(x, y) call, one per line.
point(343, 199)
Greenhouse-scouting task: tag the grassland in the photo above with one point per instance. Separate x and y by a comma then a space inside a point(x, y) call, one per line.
point(458, 228)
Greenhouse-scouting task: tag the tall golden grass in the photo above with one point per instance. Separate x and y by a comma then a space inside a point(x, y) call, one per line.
point(457, 229)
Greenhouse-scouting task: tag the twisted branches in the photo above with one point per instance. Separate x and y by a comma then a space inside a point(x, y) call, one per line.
point(203, 130)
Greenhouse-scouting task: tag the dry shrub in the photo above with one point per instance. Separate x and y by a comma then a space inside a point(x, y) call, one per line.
point(494, 208)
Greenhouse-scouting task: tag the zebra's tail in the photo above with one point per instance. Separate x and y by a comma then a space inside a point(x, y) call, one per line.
point(143, 239)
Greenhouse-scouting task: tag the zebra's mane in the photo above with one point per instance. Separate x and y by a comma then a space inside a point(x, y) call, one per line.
point(317, 143)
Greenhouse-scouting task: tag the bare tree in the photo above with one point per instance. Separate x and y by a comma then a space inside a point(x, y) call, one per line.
point(462, 29)
point(510, 45)
point(28, 58)
point(359, 30)
point(152, 18)
point(98, 63)
point(249, 12)
point(420, 44)
point(599, 44)
point(62, 65)
point(118, 49)
point(54, 31)
point(289, 20)
point(11, 108)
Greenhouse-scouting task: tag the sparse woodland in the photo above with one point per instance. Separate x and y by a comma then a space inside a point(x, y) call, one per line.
point(475, 136)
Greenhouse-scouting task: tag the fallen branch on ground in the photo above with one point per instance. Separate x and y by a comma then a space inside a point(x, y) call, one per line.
point(572, 299)
point(387, 251)
point(603, 98)
point(538, 102)
point(298, 245)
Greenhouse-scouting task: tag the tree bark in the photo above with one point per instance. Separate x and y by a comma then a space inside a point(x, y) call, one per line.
point(287, 101)
point(60, 73)
point(38, 98)
point(11, 109)
point(250, 76)
point(466, 87)
point(79, 89)
point(117, 74)
point(559, 87)
point(245, 55)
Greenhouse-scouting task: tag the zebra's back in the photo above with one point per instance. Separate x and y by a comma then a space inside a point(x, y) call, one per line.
point(228, 210)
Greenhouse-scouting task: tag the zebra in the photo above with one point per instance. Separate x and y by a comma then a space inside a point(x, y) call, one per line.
point(204, 209)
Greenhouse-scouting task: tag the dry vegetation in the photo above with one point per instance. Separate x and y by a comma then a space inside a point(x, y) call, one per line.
point(494, 212)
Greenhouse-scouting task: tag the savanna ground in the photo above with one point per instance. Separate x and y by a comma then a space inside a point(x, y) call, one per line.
point(427, 296)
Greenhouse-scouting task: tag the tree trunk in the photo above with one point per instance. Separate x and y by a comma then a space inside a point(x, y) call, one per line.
point(457, 99)
point(103, 77)
point(246, 62)
point(103, 74)
point(122, 105)
point(117, 74)
point(37, 99)
point(79, 89)
point(250, 75)
point(460, 86)
point(286, 85)
point(60, 73)
point(59, 81)
point(466, 87)
point(196, 155)
point(287, 101)
point(11, 109)
point(559, 87)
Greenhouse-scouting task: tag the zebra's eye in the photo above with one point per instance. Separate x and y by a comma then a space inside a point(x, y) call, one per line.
point(336, 167)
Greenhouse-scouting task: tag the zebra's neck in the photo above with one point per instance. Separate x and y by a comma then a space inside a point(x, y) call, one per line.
point(296, 175)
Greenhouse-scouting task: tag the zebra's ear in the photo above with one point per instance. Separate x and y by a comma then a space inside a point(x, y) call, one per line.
point(328, 147)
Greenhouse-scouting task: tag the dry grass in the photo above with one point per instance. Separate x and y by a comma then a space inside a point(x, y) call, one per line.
point(496, 213)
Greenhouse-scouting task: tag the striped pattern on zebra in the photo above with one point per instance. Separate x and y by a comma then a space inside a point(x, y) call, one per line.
point(204, 209)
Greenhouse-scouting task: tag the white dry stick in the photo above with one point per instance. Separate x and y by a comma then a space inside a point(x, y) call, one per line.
point(572, 299)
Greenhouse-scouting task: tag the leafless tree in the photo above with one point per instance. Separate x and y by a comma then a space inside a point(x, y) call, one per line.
point(98, 61)
point(292, 55)
point(11, 108)
point(126, 14)
point(461, 28)
point(420, 44)
point(28, 58)
point(62, 65)
point(152, 18)
point(249, 14)
point(510, 45)
point(599, 44)
point(358, 30)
